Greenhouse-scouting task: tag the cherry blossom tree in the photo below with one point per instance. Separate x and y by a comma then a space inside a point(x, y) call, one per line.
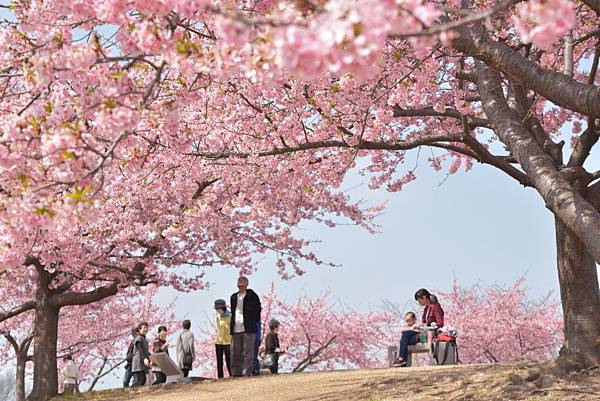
point(95, 335)
point(502, 324)
point(143, 138)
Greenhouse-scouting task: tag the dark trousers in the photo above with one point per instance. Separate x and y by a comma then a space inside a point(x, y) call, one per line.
point(255, 365)
point(160, 378)
point(223, 350)
point(139, 378)
point(186, 371)
point(242, 354)
point(409, 337)
point(127, 377)
point(69, 388)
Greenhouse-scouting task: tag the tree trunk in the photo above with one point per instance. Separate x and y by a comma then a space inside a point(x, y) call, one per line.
point(580, 296)
point(45, 375)
point(20, 382)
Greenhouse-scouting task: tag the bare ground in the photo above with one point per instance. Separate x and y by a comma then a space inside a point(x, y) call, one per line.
point(455, 383)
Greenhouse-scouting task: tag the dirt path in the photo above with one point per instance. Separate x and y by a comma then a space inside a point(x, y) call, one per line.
point(458, 383)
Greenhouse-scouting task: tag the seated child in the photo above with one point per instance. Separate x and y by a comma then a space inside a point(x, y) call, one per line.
point(410, 336)
point(410, 321)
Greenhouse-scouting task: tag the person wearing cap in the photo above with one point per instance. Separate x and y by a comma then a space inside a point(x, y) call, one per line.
point(223, 337)
point(272, 345)
point(245, 314)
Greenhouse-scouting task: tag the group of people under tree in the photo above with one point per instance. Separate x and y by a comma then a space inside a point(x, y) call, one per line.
point(238, 341)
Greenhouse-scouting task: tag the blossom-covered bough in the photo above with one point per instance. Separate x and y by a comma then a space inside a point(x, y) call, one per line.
point(143, 142)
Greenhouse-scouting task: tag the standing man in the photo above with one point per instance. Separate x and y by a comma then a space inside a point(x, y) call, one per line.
point(186, 354)
point(245, 315)
point(160, 345)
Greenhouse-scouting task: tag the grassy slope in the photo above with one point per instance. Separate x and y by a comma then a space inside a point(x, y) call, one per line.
point(469, 382)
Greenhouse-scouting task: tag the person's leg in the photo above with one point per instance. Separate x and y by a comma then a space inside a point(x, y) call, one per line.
point(255, 366)
point(408, 338)
point(127, 377)
point(160, 378)
point(248, 353)
point(219, 352)
point(275, 368)
point(142, 378)
point(237, 354)
point(139, 379)
point(133, 380)
point(227, 349)
point(186, 372)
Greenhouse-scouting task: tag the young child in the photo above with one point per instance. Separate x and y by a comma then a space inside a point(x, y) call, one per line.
point(272, 345)
point(410, 321)
point(410, 336)
point(223, 337)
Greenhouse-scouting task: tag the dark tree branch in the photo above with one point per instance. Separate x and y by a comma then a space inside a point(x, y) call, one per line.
point(11, 340)
point(363, 145)
point(486, 157)
point(588, 139)
point(448, 112)
point(202, 186)
point(17, 310)
point(84, 298)
point(310, 359)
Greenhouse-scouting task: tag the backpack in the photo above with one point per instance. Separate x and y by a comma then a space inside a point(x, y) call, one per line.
point(187, 359)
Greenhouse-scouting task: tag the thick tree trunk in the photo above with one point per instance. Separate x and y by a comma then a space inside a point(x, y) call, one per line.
point(45, 384)
point(580, 296)
point(45, 375)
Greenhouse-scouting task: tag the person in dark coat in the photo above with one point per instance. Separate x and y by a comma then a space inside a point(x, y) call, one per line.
point(129, 358)
point(245, 315)
point(272, 345)
point(141, 356)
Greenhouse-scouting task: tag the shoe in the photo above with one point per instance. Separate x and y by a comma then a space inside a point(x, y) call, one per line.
point(399, 363)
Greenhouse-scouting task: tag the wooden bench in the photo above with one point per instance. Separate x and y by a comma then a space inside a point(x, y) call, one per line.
point(419, 348)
